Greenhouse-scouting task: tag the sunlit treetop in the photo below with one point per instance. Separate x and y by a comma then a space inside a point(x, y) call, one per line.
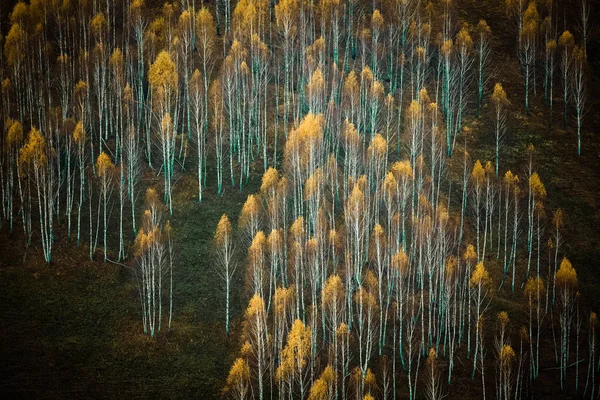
point(224, 230)
point(19, 14)
point(566, 40)
point(551, 45)
point(478, 173)
point(536, 185)
point(256, 306)
point(464, 40)
point(250, 210)
point(502, 318)
point(446, 47)
point(104, 165)
point(152, 198)
point(566, 275)
point(79, 133)
point(402, 170)
point(377, 20)
point(507, 354)
point(98, 23)
point(499, 96)
point(12, 45)
point(34, 150)
point(531, 15)
point(239, 372)
point(480, 276)
point(534, 287)
point(269, 180)
point(15, 134)
point(163, 72)
point(483, 28)
point(431, 358)
point(297, 228)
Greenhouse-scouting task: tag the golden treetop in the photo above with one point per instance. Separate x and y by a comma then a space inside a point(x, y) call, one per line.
point(534, 287)
point(163, 73)
point(239, 372)
point(483, 28)
point(431, 358)
point(15, 134)
point(224, 230)
point(507, 354)
point(478, 173)
point(463, 40)
point(12, 44)
point(566, 276)
point(480, 276)
point(377, 20)
point(402, 170)
point(249, 211)
point(34, 150)
point(79, 133)
point(98, 23)
point(298, 345)
point(499, 96)
point(256, 306)
point(502, 318)
point(566, 40)
point(104, 165)
point(269, 180)
point(536, 185)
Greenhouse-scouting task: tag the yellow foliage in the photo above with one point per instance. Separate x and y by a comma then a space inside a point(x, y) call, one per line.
point(98, 23)
point(566, 40)
point(483, 28)
point(478, 173)
point(224, 230)
point(249, 211)
point(246, 349)
point(104, 165)
point(400, 261)
point(12, 44)
point(566, 274)
point(480, 276)
point(15, 134)
point(432, 357)
point(507, 354)
point(152, 197)
point(503, 319)
point(377, 19)
point(163, 73)
point(402, 170)
point(34, 150)
point(116, 59)
point(534, 287)
point(537, 186)
point(446, 48)
point(379, 145)
point(239, 372)
point(256, 306)
point(499, 96)
point(79, 133)
point(298, 347)
point(451, 265)
point(463, 39)
point(269, 180)
point(470, 254)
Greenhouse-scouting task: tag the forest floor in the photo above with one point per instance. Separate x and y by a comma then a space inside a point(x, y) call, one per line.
point(72, 329)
